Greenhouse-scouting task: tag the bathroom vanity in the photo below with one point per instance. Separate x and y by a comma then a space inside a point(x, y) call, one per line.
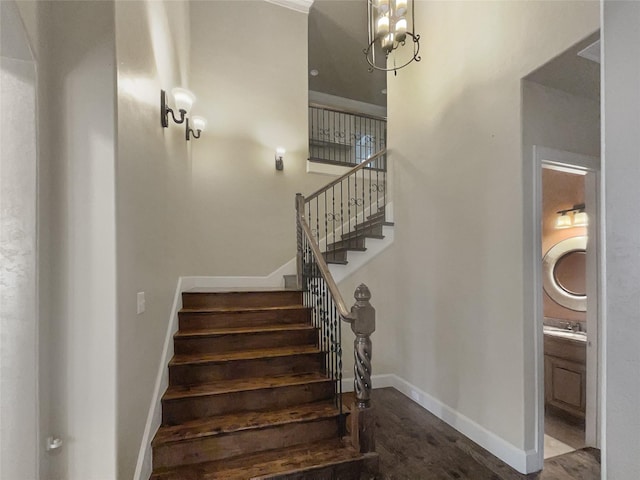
point(565, 354)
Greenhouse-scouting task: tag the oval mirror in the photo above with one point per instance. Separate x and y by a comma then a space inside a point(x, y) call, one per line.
point(564, 273)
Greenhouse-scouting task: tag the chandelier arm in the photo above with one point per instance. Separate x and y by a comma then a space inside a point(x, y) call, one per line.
point(369, 56)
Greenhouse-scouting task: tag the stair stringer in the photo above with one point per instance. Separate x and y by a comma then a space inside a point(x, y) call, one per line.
point(357, 259)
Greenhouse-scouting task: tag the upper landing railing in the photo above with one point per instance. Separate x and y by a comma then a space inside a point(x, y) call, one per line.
point(344, 137)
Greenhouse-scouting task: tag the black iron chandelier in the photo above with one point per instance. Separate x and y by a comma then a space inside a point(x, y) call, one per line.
point(388, 25)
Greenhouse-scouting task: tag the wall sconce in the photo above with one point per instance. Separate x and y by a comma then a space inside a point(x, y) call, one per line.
point(184, 100)
point(280, 158)
point(572, 217)
point(199, 123)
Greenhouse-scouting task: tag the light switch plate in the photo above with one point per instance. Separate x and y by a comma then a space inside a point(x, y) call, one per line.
point(141, 302)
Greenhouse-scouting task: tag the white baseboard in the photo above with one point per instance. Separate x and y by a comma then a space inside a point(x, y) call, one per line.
point(522, 461)
point(274, 279)
point(154, 418)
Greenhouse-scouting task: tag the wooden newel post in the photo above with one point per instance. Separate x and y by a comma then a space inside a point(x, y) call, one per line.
point(363, 325)
point(299, 259)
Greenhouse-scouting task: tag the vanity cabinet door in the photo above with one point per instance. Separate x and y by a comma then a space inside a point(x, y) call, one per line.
point(565, 385)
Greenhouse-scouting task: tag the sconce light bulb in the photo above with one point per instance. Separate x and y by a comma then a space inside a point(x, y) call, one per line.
point(280, 151)
point(199, 123)
point(183, 98)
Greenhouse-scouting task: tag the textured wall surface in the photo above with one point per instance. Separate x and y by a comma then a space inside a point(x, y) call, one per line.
point(18, 295)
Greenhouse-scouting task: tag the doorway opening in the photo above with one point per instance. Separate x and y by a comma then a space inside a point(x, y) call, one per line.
point(566, 270)
point(561, 142)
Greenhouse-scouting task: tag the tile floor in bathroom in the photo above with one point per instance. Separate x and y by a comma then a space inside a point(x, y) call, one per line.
point(561, 436)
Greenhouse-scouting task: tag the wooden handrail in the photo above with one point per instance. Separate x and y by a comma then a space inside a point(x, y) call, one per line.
point(343, 310)
point(350, 172)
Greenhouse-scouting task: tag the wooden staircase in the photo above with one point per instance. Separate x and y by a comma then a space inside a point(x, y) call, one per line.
point(355, 240)
point(248, 397)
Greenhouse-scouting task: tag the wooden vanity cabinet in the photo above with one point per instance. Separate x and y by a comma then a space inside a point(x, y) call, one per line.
point(565, 374)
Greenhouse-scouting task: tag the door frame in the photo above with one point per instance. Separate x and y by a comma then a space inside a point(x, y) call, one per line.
point(559, 159)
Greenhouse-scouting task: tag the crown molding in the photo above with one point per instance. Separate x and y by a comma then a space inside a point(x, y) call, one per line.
point(302, 6)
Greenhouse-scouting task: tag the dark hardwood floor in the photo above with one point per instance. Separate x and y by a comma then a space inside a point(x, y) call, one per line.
point(415, 445)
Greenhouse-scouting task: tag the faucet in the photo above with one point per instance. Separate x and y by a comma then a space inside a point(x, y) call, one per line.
point(574, 326)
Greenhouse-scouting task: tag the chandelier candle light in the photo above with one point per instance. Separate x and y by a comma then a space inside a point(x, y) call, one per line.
point(388, 26)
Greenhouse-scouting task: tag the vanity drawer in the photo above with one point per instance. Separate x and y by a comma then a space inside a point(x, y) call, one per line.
point(572, 350)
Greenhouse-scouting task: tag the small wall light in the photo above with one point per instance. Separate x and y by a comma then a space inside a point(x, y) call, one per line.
point(199, 123)
point(184, 100)
point(280, 158)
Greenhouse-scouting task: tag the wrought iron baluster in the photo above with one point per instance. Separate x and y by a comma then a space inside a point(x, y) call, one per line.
point(341, 216)
point(370, 195)
point(333, 216)
point(349, 209)
point(377, 191)
point(317, 220)
point(355, 198)
point(326, 224)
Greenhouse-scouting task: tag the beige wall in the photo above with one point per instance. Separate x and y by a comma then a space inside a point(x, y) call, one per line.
point(153, 190)
point(457, 274)
point(75, 49)
point(621, 151)
point(250, 76)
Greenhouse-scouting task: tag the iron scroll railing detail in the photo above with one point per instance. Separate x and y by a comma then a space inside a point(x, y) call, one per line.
point(343, 212)
point(342, 137)
point(328, 311)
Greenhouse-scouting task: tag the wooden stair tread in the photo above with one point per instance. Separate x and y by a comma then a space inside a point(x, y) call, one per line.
point(290, 460)
point(372, 222)
point(241, 309)
point(330, 250)
point(224, 424)
point(191, 359)
point(213, 332)
point(242, 384)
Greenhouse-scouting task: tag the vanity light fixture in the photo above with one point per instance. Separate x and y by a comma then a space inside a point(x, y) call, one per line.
point(199, 123)
point(572, 217)
point(280, 158)
point(183, 99)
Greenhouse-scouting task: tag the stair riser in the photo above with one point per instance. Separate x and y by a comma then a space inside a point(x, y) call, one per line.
point(246, 341)
point(230, 445)
point(182, 410)
point(339, 256)
point(202, 373)
point(195, 321)
point(352, 243)
point(361, 232)
point(240, 299)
